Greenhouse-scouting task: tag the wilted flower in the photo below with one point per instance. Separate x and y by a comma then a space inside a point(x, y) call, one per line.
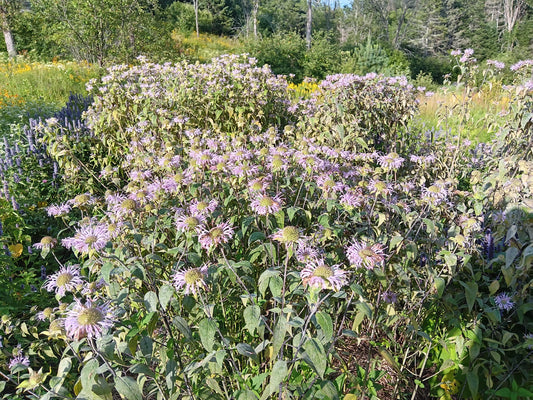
point(361, 254)
point(389, 296)
point(67, 279)
point(289, 234)
point(88, 320)
point(46, 243)
point(192, 279)
point(317, 274)
point(503, 301)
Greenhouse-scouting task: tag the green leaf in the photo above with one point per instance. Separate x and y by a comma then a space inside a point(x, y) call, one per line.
point(183, 327)
point(151, 301)
point(279, 334)
point(316, 356)
point(510, 255)
point(494, 287)
point(470, 293)
point(473, 382)
point(279, 372)
point(440, 285)
point(326, 324)
point(207, 330)
point(128, 388)
point(165, 295)
point(246, 350)
point(256, 236)
point(395, 241)
point(450, 259)
point(88, 373)
point(252, 318)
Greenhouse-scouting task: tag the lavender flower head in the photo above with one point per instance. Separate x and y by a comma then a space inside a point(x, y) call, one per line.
point(88, 239)
point(88, 320)
point(220, 233)
point(321, 276)
point(19, 360)
point(67, 279)
point(503, 301)
point(192, 279)
point(264, 204)
point(361, 254)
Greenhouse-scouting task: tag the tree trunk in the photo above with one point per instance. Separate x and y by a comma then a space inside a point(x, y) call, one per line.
point(309, 23)
point(196, 17)
point(255, 9)
point(8, 37)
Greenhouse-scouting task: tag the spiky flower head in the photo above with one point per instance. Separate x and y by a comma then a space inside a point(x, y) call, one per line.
point(362, 254)
point(67, 279)
point(218, 234)
point(192, 279)
point(264, 204)
point(89, 320)
point(504, 302)
point(319, 275)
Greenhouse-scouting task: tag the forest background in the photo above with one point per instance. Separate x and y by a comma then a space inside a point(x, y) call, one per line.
point(304, 38)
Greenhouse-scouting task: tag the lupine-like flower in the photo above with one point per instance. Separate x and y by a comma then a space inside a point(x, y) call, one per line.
point(19, 360)
point(361, 254)
point(264, 204)
point(220, 233)
point(193, 279)
point(503, 301)
point(88, 238)
point(317, 274)
point(88, 320)
point(67, 279)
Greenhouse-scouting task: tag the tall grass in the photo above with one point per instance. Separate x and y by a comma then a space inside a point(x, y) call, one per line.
point(452, 110)
point(30, 89)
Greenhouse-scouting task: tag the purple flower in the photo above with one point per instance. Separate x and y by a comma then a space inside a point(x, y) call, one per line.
point(20, 360)
point(264, 204)
point(192, 279)
point(58, 210)
point(289, 234)
point(220, 233)
point(67, 279)
point(389, 296)
point(503, 301)
point(88, 320)
point(319, 275)
point(189, 222)
point(391, 161)
point(361, 254)
point(88, 239)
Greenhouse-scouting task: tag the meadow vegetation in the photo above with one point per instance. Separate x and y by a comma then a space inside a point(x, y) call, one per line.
point(216, 231)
